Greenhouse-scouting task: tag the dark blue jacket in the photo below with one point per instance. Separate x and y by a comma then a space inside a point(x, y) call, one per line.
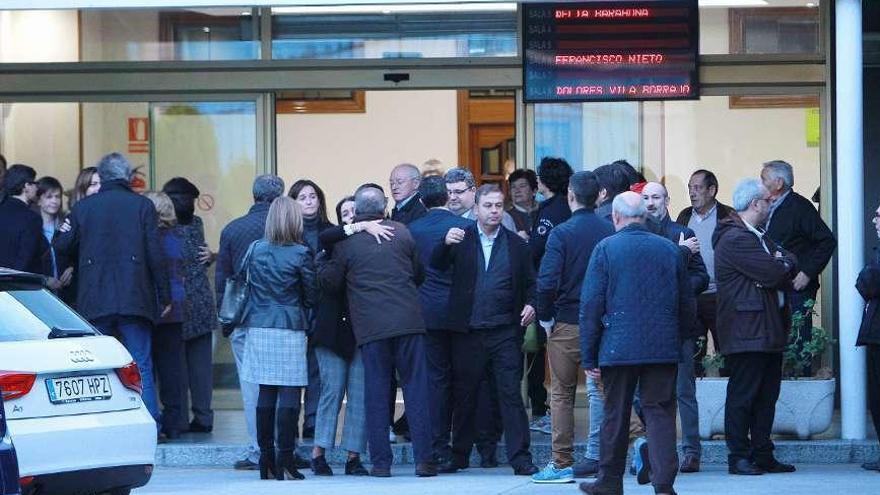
point(698, 276)
point(429, 232)
point(21, 237)
point(120, 270)
point(411, 211)
point(565, 261)
point(235, 239)
point(551, 213)
point(463, 258)
point(636, 303)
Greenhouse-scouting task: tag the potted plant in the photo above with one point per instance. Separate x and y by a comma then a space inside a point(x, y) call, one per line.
point(806, 403)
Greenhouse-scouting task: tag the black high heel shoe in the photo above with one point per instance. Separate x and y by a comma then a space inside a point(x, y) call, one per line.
point(285, 467)
point(268, 466)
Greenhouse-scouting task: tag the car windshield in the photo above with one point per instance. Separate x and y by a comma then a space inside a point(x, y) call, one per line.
point(32, 314)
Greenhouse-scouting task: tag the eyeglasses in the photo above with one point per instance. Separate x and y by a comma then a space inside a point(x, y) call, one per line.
point(458, 192)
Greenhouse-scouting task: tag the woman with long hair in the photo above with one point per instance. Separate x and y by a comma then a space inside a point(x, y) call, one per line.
point(56, 267)
point(342, 374)
point(200, 317)
point(282, 290)
point(167, 337)
point(88, 182)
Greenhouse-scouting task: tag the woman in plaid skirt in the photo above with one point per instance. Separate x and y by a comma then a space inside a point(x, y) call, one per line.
point(282, 287)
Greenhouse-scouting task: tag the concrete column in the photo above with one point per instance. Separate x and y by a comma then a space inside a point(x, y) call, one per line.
point(850, 213)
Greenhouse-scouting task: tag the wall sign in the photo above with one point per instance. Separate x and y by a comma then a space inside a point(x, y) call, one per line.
point(610, 51)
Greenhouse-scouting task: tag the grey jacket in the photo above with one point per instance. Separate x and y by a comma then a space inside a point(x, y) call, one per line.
point(283, 287)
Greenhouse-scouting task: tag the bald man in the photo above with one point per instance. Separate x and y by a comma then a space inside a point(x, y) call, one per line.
point(657, 204)
point(404, 181)
point(630, 335)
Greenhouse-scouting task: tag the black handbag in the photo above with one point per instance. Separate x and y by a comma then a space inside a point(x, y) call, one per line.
point(235, 294)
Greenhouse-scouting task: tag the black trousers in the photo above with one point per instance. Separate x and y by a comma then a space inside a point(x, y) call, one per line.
point(537, 375)
point(488, 417)
point(499, 348)
point(438, 353)
point(873, 352)
point(200, 378)
point(656, 383)
point(706, 304)
point(168, 359)
point(755, 378)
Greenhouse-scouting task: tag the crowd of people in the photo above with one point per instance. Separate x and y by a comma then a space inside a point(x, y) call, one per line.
point(457, 294)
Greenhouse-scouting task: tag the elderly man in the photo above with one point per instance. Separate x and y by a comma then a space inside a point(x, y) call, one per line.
point(657, 202)
point(702, 217)
point(795, 224)
point(560, 279)
point(868, 285)
point(752, 273)
point(632, 333)
point(21, 229)
point(122, 286)
point(235, 239)
point(381, 282)
point(404, 182)
point(492, 298)
point(462, 187)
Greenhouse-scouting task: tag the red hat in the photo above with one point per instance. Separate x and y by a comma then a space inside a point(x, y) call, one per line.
point(637, 187)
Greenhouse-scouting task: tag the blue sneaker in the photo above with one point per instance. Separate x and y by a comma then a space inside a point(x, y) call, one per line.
point(641, 461)
point(552, 475)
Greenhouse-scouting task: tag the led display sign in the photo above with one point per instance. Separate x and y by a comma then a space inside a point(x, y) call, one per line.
point(610, 51)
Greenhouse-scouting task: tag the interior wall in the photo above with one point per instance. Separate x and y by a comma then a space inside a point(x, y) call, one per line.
point(341, 151)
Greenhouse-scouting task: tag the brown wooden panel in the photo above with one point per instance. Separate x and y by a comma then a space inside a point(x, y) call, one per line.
point(356, 104)
point(774, 101)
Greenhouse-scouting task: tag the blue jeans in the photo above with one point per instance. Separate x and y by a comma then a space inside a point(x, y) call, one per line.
point(136, 334)
point(341, 378)
point(597, 416)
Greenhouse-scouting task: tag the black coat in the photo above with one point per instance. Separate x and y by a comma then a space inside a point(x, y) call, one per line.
point(868, 285)
point(412, 210)
point(463, 258)
point(332, 328)
point(551, 213)
point(21, 237)
point(797, 227)
point(381, 282)
point(119, 269)
point(749, 318)
point(698, 277)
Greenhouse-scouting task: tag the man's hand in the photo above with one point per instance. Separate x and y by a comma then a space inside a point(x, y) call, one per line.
point(524, 235)
point(800, 281)
point(693, 243)
point(594, 373)
point(65, 227)
point(378, 231)
point(165, 311)
point(53, 283)
point(527, 315)
point(206, 257)
point(67, 277)
point(454, 236)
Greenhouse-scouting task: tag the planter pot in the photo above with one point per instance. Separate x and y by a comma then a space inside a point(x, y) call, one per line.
point(805, 407)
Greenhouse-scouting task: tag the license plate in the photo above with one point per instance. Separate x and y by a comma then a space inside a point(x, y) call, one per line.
point(70, 389)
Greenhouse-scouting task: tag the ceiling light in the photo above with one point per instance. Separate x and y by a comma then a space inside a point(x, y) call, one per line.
point(398, 9)
point(733, 3)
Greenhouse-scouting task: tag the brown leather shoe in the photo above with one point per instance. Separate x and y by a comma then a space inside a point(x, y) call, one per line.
point(690, 464)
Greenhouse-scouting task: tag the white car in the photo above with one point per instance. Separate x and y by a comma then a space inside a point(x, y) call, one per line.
point(72, 397)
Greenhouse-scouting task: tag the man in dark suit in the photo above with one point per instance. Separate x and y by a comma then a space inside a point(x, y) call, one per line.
point(753, 273)
point(430, 232)
point(492, 298)
point(381, 282)
point(868, 285)
point(404, 182)
point(122, 286)
point(657, 203)
point(631, 336)
point(702, 217)
point(21, 229)
point(795, 225)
